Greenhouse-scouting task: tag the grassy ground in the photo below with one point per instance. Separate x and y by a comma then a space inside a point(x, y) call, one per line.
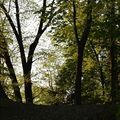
point(15, 111)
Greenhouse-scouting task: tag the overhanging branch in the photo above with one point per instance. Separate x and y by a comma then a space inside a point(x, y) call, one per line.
point(10, 20)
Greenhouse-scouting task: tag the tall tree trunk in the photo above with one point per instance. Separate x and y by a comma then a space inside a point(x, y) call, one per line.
point(28, 65)
point(28, 87)
point(11, 70)
point(113, 53)
point(27, 62)
point(28, 83)
point(12, 76)
point(113, 72)
point(81, 45)
point(78, 87)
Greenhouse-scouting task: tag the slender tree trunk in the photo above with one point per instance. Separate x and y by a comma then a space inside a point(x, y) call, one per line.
point(28, 83)
point(81, 45)
point(113, 53)
point(2, 93)
point(11, 70)
point(78, 89)
point(113, 73)
point(102, 79)
point(13, 77)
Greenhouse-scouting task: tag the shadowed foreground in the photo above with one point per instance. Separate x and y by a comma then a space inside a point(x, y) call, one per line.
point(15, 111)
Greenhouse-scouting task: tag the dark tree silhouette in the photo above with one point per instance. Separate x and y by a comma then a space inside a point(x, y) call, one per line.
point(27, 61)
point(81, 42)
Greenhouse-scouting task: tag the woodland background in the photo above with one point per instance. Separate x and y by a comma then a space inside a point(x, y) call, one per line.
point(60, 51)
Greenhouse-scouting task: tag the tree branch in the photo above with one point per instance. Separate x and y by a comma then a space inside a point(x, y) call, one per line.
point(10, 21)
point(51, 16)
point(39, 33)
point(87, 23)
point(11, 70)
point(18, 18)
point(19, 40)
point(74, 23)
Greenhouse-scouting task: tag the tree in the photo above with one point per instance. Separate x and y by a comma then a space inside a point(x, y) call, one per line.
point(113, 52)
point(64, 36)
point(102, 43)
point(11, 71)
point(4, 54)
point(2, 91)
point(46, 16)
point(81, 45)
point(96, 51)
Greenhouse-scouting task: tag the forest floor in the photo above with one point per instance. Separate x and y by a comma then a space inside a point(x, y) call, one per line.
point(17, 111)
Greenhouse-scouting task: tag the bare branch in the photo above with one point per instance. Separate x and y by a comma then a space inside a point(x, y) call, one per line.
point(10, 20)
point(74, 22)
point(39, 33)
point(51, 16)
point(18, 19)
point(17, 35)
